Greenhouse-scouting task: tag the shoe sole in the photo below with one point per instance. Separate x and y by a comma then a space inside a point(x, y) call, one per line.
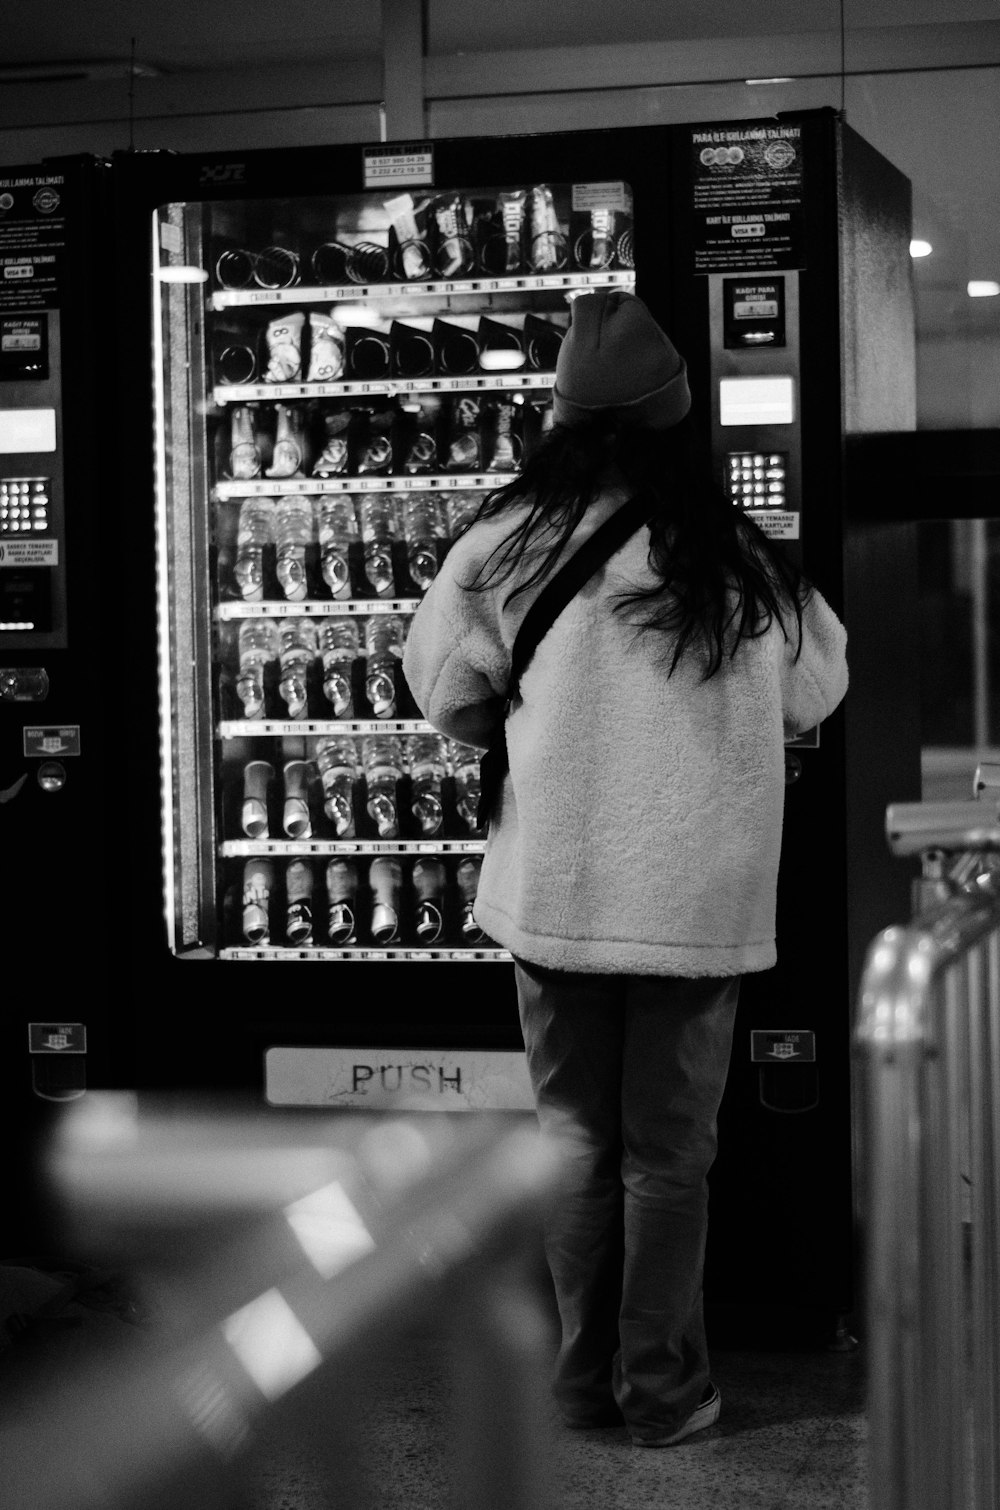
point(706, 1415)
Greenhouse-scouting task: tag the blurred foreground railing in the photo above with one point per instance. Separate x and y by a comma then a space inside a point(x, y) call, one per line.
point(283, 1257)
point(928, 1042)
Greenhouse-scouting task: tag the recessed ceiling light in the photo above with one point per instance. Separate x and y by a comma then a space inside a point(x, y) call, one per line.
point(920, 248)
point(983, 288)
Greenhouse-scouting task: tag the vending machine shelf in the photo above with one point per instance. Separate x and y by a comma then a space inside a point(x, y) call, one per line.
point(241, 848)
point(405, 954)
point(440, 288)
point(249, 393)
point(317, 609)
point(251, 728)
point(282, 487)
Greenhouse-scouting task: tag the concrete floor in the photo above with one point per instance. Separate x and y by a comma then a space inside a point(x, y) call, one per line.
point(791, 1437)
point(791, 1434)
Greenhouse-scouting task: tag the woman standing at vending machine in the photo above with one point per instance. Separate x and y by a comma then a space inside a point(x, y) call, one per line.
point(632, 862)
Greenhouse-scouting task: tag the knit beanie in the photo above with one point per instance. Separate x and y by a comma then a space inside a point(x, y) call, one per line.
point(616, 357)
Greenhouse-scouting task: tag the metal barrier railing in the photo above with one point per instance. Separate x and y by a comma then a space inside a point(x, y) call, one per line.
point(282, 1257)
point(927, 1039)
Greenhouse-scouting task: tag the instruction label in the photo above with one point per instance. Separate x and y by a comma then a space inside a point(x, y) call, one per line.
point(384, 166)
point(747, 197)
point(602, 196)
point(32, 240)
point(29, 553)
point(777, 524)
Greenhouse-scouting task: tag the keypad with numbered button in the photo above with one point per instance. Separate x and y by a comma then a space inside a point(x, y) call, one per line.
point(24, 505)
point(756, 479)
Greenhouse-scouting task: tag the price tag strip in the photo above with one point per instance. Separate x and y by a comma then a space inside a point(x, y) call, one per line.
point(232, 849)
point(282, 487)
point(354, 292)
point(251, 393)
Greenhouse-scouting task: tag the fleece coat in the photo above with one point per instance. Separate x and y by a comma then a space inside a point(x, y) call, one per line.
point(640, 823)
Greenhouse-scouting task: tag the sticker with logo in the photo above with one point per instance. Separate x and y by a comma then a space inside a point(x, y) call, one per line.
point(776, 1046)
point(222, 173)
point(57, 1038)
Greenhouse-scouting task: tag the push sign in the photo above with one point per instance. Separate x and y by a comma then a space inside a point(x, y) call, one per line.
point(769, 1046)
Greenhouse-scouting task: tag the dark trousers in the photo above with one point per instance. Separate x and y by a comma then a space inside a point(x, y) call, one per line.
point(628, 1072)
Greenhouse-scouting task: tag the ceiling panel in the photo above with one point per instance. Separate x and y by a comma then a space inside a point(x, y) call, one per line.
point(176, 36)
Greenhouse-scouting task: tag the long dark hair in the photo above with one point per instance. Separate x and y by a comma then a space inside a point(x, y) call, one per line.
point(720, 579)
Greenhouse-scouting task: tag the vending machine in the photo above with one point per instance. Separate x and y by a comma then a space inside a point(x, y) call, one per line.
point(55, 818)
point(350, 348)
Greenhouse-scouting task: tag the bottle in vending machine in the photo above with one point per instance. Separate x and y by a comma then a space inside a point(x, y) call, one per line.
point(385, 877)
point(258, 887)
point(462, 510)
point(296, 820)
point(382, 758)
point(423, 526)
point(384, 635)
point(288, 455)
point(379, 529)
point(337, 762)
point(298, 899)
point(257, 775)
point(467, 876)
point(418, 439)
point(428, 767)
point(258, 646)
point(293, 534)
point(298, 647)
point(254, 533)
point(376, 450)
point(341, 897)
point(338, 531)
point(339, 647)
point(244, 452)
point(465, 444)
point(335, 455)
point(465, 769)
point(428, 884)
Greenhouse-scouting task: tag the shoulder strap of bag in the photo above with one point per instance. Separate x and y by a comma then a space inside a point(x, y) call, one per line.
point(557, 592)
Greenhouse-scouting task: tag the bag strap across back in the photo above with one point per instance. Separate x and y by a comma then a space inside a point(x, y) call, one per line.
point(557, 592)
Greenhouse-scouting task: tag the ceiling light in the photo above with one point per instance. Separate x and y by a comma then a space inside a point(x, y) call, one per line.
point(983, 288)
point(781, 80)
point(920, 248)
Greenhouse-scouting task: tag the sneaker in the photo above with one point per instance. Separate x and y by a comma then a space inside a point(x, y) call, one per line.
point(706, 1414)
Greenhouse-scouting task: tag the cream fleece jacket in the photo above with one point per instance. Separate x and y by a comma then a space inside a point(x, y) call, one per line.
point(640, 825)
